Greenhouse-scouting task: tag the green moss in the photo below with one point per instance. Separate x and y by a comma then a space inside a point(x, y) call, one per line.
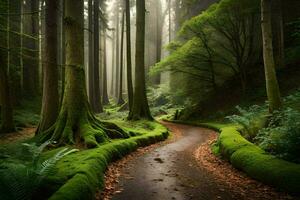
point(81, 173)
point(259, 165)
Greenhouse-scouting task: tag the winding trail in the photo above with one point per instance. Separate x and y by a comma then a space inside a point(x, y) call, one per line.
point(171, 171)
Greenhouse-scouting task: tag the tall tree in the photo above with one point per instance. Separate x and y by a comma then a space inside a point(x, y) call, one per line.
point(270, 73)
point(128, 55)
point(30, 53)
point(15, 49)
point(140, 107)
point(120, 92)
point(5, 95)
point(91, 52)
point(96, 102)
point(278, 33)
point(117, 35)
point(50, 104)
point(76, 123)
point(105, 99)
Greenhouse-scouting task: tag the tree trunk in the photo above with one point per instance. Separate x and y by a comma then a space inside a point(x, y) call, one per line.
point(50, 104)
point(5, 96)
point(270, 73)
point(5, 100)
point(140, 108)
point(278, 33)
point(105, 99)
point(91, 53)
point(113, 67)
point(117, 68)
point(15, 50)
point(159, 30)
point(128, 54)
point(96, 102)
point(30, 49)
point(76, 122)
point(120, 93)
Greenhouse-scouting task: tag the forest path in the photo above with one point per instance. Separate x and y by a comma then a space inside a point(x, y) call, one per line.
point(171, 171)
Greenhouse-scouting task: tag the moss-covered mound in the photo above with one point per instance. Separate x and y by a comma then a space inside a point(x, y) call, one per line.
point(80, 174)
point(259, 165)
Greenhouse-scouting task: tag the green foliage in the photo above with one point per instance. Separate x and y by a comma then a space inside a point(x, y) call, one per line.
point(279, 133)
point(282, 136)
point(21, 179)
point(251, 119)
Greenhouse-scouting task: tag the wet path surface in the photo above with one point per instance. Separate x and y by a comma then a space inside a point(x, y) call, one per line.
point(171, 171)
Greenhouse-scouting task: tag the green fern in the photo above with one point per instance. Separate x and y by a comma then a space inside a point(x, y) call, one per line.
point(19, 181)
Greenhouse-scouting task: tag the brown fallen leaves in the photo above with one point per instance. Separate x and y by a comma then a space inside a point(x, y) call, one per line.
point(242, 186)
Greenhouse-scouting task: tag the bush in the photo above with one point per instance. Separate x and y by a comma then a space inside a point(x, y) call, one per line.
point(252, 120)
point(282, 136)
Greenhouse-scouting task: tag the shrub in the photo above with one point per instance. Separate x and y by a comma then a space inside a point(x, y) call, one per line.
point(282, 136)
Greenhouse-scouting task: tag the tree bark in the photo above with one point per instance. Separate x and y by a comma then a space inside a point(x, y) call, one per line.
point(117, 67)
point(30, 49)
point(96, 102)
point(140, 108)
point(128, 54)
point(120, 92)
point(15, 50)
point(105, 99)
point(278, 33)
point(91, 53)
point(50, 104)
point(270, 73)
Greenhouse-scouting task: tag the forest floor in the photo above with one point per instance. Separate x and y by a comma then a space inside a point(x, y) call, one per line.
point(23, 134)
point(182, 167)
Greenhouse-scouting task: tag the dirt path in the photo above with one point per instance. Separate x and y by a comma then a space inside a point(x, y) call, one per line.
point(171, 171)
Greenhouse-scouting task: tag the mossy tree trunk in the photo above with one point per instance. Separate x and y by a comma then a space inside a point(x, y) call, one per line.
point(140, 107)
point(270, 72)
point(50, 104)
point(76, 123)
point(128, 55)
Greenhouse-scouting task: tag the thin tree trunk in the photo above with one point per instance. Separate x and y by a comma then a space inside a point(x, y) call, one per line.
point(113, 67)
point(105, 99)
point(50, 104)
point(15, 52)
point(120, 93)
point(270, 73)
point(117, 68)
point(128, 54)
point(278, 33)
point(159, 30)
point(96, 102)
point(140, 108)
point(91, 53)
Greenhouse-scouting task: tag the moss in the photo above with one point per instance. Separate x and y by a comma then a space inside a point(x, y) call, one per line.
point(82, 172)
point(259, 165)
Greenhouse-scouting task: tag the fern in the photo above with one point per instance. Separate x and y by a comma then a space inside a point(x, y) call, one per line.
point(19, 181)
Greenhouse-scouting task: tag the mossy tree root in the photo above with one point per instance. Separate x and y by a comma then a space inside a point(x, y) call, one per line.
point(82, 129)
